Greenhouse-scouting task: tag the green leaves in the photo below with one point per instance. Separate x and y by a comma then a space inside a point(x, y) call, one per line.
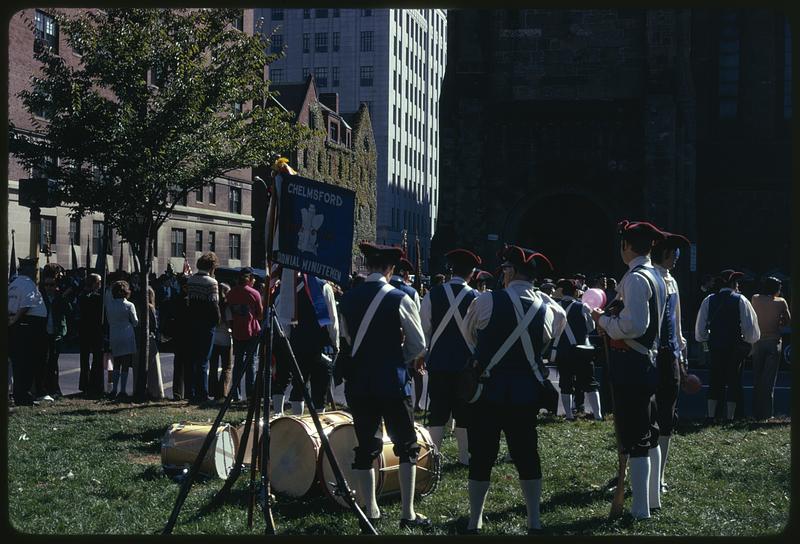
point(150, 104)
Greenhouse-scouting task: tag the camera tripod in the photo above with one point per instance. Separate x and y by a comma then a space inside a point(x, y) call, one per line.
point(260, 451)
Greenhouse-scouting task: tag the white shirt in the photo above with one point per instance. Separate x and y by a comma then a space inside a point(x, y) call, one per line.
point(480, 311)
point(634, 290)
point(426, 309)
point(672, 287)
point(747, 319)
point(414, 338)
point(23, 293)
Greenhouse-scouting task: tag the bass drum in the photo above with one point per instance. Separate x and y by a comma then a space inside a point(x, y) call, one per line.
point(387, 465)
point(182, 442)
point(295, 448)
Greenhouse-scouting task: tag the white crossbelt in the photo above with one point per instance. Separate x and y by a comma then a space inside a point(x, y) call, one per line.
point(453, 312)
point(370, 313)
point(523, 322)
point(633, 344)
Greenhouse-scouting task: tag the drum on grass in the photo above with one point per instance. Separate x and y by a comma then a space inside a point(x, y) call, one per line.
point(295, 448)
point(182, 442)
point(249, 446)
point(387, 465)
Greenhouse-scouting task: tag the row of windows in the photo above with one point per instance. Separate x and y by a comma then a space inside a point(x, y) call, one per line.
point(277, 14)
point(366, 43)
point(178, 243)
point(234, 197)
point(48, 234)
point(410, 221)
point(320, 75)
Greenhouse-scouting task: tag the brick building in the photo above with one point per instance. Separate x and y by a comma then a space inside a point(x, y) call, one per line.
point(218, 218)
point(341, 151)
point(557, 123)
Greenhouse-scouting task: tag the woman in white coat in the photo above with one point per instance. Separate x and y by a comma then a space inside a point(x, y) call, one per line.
point(121, 315)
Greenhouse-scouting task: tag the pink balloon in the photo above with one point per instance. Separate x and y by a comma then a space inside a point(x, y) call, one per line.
point(594, 298)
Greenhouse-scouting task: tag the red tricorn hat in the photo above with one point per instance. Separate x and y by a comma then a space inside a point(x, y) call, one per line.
point(728, 275)
point(639, 230)
point(462, 258)
point(672, 241)
point(404, 265)
point(523, 259)
point(388, 254)
point(483, 275)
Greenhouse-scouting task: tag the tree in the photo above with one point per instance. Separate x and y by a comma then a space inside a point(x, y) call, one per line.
point(150, 113)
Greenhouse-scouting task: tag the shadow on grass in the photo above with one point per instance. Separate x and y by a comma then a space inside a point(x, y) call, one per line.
point(146, 441)
point(699, 425)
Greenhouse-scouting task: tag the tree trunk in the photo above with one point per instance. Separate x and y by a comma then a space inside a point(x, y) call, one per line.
point(142, 252)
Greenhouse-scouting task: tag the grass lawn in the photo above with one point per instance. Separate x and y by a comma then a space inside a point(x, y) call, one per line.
point(81, 467)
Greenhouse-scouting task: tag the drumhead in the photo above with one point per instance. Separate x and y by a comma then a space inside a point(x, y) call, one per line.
point(342, 439)
point(293, 449)
point(182, 442)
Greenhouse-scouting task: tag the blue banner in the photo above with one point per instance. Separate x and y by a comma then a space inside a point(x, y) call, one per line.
point(315, 228)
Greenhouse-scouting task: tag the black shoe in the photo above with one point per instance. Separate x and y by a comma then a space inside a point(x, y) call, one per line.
point(364, 529)
point(419, 522)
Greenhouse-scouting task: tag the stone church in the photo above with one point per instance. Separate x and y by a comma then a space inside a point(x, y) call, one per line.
point(558, 123)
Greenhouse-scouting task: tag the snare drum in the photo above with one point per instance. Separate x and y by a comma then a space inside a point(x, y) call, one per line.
point(182, 442)
point(387, 465)
point(295, 448)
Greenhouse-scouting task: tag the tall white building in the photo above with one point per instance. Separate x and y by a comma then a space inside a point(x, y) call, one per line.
point(394, 61)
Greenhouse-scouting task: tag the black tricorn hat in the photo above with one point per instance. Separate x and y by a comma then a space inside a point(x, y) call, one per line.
point(566, 284)
point(483, 275)
point(523, 259)
point(728, 275)
point(463, 258)
point(404, 265)
point(388, 254)
point(672, 240)
point(642, 230)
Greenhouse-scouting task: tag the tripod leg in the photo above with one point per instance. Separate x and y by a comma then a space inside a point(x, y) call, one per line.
point(187, 483)
point(233, 476)
point(265, 359)
point(254, 452)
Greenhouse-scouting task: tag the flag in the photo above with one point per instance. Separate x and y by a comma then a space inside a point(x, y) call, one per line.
point(187, 269)
point(74, 255)
point(12, 267)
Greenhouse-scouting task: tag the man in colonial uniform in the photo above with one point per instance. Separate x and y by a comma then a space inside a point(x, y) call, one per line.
point(573, 353)
point(672, 346)
point(442, 314)
point(509, 328)
point(634, 334)
point(728, 322)
point(382, 327)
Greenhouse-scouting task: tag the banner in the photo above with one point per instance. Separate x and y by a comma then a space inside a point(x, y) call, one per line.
point(315, 228)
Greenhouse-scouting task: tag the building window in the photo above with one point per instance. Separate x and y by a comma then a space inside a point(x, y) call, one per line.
point(276, 75)
point(336, 12)
point(97, 238)
point(306, 14)
point(322, 13)
point(238, 23)
point(212, 194)
point(366, 73)
point(306, 42)
point(787, 70)
point(306, 71)
point(212, 241)
point(276, 45)
point(367, 41)
point(47, 235)
point(178, 242)
point(334, 76)
point(237, 108)
point(366, 13)
point(235, 200)
point(336, 41)
point(335, 132)
point(235, 242)
point(321, 75)
point(729, 66)
point(198, 240)
point(321, 42)
point(74, 230)
point(45, 32)
point(277, 14)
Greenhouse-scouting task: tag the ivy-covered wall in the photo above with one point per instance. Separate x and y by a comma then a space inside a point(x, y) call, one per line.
point(355, 169)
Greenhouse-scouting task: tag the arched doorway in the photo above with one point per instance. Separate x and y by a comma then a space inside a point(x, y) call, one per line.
point(573, 231)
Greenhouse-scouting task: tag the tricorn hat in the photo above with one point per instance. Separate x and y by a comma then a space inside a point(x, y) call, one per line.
point(523, 259)
point(639, 230)
point(404, 265)
point(388, 254)
point(728, 275)
point(463, 258)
